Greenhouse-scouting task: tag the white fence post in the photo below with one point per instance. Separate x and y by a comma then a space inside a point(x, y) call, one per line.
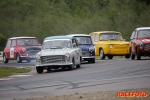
point(1, 54)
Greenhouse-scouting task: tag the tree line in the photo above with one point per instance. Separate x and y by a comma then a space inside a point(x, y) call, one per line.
point(42, 18)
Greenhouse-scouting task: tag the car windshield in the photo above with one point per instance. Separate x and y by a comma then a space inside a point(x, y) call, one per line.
point(110, 36)
point(27, 42)
point(84, 40)
point(57, 44)
point(144, 33)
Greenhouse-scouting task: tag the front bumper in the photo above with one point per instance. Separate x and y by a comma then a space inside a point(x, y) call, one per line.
point(88, 58)
point(28, 57)
point(53, 64)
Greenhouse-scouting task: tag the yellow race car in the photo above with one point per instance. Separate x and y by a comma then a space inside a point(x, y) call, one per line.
point(110, 43)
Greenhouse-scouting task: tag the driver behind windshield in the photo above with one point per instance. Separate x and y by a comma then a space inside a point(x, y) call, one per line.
point(66, 44)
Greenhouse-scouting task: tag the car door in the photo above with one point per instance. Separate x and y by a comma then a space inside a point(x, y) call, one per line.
point(96, 41)
point(133, 42)
point(77, 51)
point(13, 49)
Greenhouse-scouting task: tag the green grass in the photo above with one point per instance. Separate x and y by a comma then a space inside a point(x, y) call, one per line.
point(8, 71)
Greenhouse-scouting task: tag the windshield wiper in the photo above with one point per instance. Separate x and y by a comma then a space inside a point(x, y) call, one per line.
point(146, 34)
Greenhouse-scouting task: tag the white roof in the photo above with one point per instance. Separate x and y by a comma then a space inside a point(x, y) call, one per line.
point(21, 37)
point(143, 28)
point(78, 35)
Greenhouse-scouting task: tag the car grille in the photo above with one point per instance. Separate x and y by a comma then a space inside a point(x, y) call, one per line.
point(85, 53)
point(53, 59)
point(147, 47)
point(32, 52)
point(120, 46)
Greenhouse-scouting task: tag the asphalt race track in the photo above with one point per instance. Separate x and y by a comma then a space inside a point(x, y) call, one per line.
point(104, 75)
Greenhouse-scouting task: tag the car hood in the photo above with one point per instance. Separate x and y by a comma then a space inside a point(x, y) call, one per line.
point(113, 42)
point(144, 40)
point(28, 48)
point(55, 51)
point(85, 47)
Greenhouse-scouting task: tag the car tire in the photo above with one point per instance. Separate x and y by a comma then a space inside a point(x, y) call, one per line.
point(93, 60)
point(5, 60)
point(138, 55)
point(79, 65)
point(49, 69)
point(102, 55)
point(28, 60)
point(127, 56)
point(39, 70)
point(110, 56)
point(19, 59)
point(71, 67)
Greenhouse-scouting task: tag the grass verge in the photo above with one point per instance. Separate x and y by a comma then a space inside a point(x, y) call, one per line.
point(8, 71)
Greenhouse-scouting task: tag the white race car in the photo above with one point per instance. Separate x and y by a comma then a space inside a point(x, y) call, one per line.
point(58, 52)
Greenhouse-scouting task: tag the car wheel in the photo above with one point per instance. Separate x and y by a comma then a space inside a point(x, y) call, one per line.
point(110, 56)
point(102, 55)
point(71, 67)
point(5, 60)
point(39, 70)
point(48, 69)
point(132, 56)
point(79, 65)
point(138, 55)
point(19, 59)
point(28, 60)
point(93, 60)
point(127, 56)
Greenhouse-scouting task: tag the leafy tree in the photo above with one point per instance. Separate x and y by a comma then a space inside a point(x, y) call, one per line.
point(3, 41)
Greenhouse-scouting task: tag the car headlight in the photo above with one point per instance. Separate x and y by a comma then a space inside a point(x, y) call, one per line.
point(23, 49)
point(110, 46)
point(67, 55)
point(141, 45)
point(38, 56)
point(91, 49)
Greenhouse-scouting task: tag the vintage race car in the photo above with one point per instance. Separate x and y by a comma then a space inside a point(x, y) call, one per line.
point(140, 42)
point(21, 48)
point(58, 52)
point(110, 43)
point(87, 47)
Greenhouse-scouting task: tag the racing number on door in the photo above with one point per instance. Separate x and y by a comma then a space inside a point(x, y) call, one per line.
point(11, 52)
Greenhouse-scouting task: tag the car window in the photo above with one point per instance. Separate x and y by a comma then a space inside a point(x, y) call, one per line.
point(92, 36)
point(110, 36)
point(13, 43)
point(96, 37)
point(27, 42)
point(74, 43)
point(133, 35)
point(8, 43)
point(57, 44)
point(143, 33)
point(84, 40)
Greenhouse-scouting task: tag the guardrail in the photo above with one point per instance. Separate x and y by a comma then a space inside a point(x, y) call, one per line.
point(1, 53)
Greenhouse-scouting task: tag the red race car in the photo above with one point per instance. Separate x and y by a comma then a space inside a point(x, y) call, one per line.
point(140, 43)
point(21, 48)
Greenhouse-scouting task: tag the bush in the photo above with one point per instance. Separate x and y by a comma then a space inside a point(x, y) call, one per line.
point(3, 41)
